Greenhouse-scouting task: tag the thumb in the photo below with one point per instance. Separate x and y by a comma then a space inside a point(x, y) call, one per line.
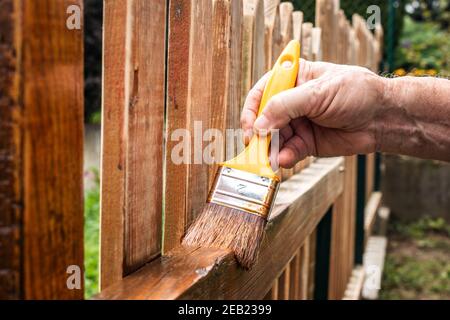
point(302, 101)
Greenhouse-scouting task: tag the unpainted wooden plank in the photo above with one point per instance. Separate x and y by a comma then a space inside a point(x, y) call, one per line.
point(284, 282)
point(286, 30)
point(312, 264)
point(316, 44)
point(297, 21)
point(213, 273)
point(306, 52)
point(304, 267)
point(326, 19)
point(233, 108)
point(253, 49)
point(272, 32)
point(370, 213)
point(286, 24)
point(294, 277)
point(370, 174)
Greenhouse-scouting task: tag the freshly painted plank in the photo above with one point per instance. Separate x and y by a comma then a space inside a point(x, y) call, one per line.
point(11, 178)
point(41, 150)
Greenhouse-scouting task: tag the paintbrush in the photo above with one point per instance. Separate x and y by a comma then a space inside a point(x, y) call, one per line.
point(244, 188)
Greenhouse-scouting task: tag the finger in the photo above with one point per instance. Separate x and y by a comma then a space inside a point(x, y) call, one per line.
point(251, 106)
point(309, 70)
point(305, 100)
point(293, 151)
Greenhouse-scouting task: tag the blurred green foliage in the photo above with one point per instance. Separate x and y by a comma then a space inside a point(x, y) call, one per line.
point(417, 265)
point(91, 234)
point(424, 45)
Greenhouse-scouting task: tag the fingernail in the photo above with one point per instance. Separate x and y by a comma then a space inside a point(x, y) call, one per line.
point(262, 123)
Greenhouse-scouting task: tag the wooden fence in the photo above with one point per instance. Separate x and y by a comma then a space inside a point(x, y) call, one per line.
point(168, 65)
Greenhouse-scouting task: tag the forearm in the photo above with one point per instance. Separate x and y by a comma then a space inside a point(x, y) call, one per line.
point(414, 118)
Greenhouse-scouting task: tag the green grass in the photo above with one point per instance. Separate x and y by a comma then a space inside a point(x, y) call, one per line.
point(417, 265)
point(91, 236)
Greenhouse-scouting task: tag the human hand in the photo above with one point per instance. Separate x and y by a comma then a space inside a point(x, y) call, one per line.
point(332, 111)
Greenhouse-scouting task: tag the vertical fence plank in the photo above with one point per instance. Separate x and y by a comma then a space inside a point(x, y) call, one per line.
point(316, 44)
point(41, 150)
point(305, 269)
point(272, 32)
point(10, 152)
point(286, 29)
point(253, 48)
point(259, 54)
point(132, 136)
point(297, 21)
point(188, 107)
point(286, 26)
point(326, 19)
point(220, 75)
point(307, 40)
point(234, 85)
point(284, 283)
point(294, 277)
point(144, 135)
point(112, 162)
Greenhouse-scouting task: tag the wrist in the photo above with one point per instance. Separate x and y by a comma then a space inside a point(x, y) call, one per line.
point(386, 94)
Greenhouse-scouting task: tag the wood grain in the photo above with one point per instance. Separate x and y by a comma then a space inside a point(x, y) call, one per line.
point(253, 53)
point(272, 31)
point(113, 161)
point(132, 136)
point(286, 24)
point(11, 179)
point(306, 52)
point(41, 150)
point(297, 21)
point(286, 30)
point(211, 273)
point(316, 44)
point(326, 19)
point(234, 78)
point(221, 35)
point(188, 107)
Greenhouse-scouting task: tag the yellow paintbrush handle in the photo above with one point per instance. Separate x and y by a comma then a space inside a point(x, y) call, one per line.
point(255, 157)
point(282, 78)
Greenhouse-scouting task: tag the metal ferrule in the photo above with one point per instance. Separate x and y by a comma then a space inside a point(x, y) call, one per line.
point(244, 191)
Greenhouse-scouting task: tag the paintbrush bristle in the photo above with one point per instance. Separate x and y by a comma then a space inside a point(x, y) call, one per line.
point(222, 227)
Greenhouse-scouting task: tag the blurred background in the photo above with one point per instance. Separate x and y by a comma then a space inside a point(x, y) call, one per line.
point(417, 43)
